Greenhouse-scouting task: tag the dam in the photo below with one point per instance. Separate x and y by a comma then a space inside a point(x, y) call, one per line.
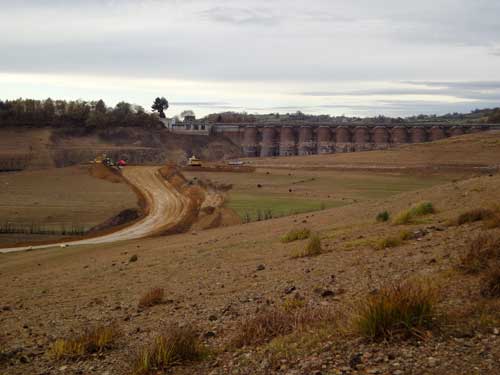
point(264, 140)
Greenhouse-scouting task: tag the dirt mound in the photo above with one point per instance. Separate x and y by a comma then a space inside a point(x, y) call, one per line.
point(124, 217)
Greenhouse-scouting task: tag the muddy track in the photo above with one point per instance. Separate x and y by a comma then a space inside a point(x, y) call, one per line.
point(165, 208)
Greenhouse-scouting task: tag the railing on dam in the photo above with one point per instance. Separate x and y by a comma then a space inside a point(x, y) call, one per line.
point(305, 139)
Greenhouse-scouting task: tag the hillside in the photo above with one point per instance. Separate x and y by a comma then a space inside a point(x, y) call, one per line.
point(45, 148)
point(258, 307)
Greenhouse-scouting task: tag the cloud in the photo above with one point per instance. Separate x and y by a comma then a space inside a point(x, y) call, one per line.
point(240, 16)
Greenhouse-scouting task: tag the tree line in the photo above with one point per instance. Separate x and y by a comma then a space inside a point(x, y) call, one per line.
point(86, 115)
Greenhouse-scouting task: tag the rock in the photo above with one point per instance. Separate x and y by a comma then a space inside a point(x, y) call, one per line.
point(261, 267)
point(355, 360)
point(496, 332)
point(212, 318)
point(24, 359)
point(209, 334)
point(327, 293)
point(290, 289)
point(432, 361)
point(133, 258)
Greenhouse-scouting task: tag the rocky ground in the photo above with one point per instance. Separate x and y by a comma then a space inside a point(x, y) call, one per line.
point(214, 279)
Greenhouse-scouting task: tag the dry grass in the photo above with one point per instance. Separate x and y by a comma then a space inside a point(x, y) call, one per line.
point(93, 340)
point(175, 346)
point(471, 216)
point(313, 248)
point(274, 322)
point(483, 249)
point(400, 310)
point(296, 234)
point(418, 210)
point(394, 241)
point(152, 297)
point(490, 284)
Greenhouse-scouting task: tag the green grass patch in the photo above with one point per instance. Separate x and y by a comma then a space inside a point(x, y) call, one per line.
point(254, 207)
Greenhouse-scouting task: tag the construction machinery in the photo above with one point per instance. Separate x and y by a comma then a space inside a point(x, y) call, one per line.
point(193, 161)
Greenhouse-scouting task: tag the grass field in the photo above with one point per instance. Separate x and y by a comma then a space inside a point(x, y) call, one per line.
point(58, 201)
point(284, 191)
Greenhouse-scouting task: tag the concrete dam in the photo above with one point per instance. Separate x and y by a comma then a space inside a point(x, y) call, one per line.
point(261, 140)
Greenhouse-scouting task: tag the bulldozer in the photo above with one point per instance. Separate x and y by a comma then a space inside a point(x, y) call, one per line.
point(193, 161)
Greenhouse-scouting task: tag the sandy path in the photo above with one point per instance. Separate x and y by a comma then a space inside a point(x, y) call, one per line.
point(166, 207)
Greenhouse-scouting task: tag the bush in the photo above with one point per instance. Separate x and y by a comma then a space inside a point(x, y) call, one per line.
point(296, 234)
point(490, 284)
point(421, 209)
point(152, 297)
point(312, 248)
point(94, 340)
point(398, 310)
point(176, 345)
point(483, 249)
point(273, 322)
point(383, 216)
point(471, 216)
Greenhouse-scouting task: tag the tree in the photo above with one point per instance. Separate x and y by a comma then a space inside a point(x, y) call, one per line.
point(160, 105)
point(100, 106)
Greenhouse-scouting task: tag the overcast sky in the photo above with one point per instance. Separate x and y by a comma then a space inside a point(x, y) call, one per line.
point(353, 57)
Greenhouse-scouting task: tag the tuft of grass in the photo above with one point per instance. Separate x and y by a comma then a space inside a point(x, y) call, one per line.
point(274, 322)
point(93, 340)
point(296, 234)
point(383, 216)
point(152, 297)
point(313, 248)
point(394, 241)
point(471, 216)
point(400, 310)
point(175, 346)
point(292, 304)
point(408, 216)
point(490, 284)
point(483, 249)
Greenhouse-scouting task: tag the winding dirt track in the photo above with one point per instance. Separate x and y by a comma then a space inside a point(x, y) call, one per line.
point(166, 208)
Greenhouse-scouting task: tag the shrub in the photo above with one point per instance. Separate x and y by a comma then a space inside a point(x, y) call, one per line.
point(383, 216)
point(176, 345)
point(421, 209)
point(152, 297)
point(471, 216)
point(312, 248)
point(490, 284)
point(398, 310)
point(273, 322)
point(93, 340)
point(296, 234)
point(482, 249)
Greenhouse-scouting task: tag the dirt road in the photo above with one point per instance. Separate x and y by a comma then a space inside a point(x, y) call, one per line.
point(166, 207)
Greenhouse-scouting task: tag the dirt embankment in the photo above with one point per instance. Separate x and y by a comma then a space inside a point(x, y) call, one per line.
point(204, 210)
point(27, 148)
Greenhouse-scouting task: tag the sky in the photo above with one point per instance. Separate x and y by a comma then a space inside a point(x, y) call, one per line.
point(338, 57)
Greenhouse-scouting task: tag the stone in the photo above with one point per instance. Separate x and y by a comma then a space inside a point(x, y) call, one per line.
point(261, 267)
point(133, 258)
point(290, 289)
